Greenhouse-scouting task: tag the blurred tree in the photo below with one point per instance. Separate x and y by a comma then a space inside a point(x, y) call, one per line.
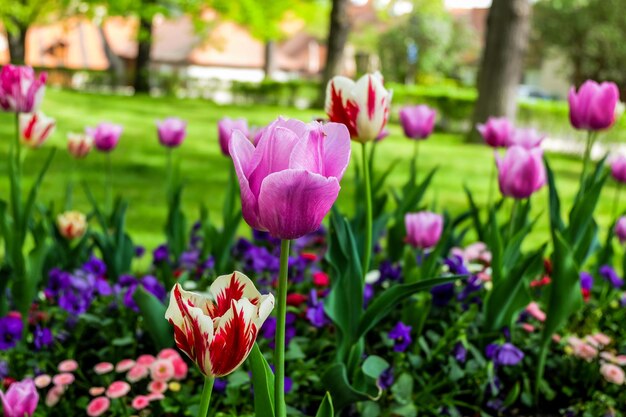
point(588, 33)
point(501, 68)
point(338, 30)
point(18, 15)
point(266, 20)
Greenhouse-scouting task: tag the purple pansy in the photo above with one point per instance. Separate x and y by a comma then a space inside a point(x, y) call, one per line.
point(11, 327)
point(401, 335)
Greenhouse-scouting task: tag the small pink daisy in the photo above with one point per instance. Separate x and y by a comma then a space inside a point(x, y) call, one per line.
point(146, 360)
point(68, 365)
point(162, 370)
point(137, 373)
point(96, 391)
point(118, 389)
point(124, 365)
point(98, 406)
point(180, 368)
point(157, 386)
point(155, 396)
point(63, 379)
point(54, 395)
point(103, 368)
point(140, 402)
point(42, 381)
point(168, 353)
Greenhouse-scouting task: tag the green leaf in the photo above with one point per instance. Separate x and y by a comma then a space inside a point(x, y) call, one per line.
point(262, 382)
point(374, 366)
point(326, 407)
point(335, 379)
point(475, 213)
point(402, 389)
point(392, 297)
point(153, 313)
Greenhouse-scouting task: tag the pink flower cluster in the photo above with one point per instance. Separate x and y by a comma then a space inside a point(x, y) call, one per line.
point(162, 372)
point(592, 347)
point(60, 382)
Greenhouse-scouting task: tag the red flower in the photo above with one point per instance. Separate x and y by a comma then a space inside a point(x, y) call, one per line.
point(309, 256)
point(321, 279)
point(296, 299)
point(218, 333)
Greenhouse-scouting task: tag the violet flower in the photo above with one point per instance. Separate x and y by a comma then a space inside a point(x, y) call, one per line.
point(11, 327)
point(401, 335)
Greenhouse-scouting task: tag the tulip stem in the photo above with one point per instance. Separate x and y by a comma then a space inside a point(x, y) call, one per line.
point(368, 212)
point(279, 353)
point(108, 190)
point(416, 156)
point(492, 177)
point(618, 191)
point(17, 138)
point(586, 158)
point(206, 396)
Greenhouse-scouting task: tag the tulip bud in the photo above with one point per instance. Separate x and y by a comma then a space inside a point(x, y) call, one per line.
point(218, 333)
point(79, 144)
point(526, 138)
point(20, 399)
point(171, 132)
point(105, 136)
point(593, 107)
point(521, 172)
point(618, 169)
point(423, 229)
point(225, 129)
point(620, 229)
point(362, 106)
point(497, 132)
point(72, 224)
point(35, 128)
point(418, 122)
point(20, 90)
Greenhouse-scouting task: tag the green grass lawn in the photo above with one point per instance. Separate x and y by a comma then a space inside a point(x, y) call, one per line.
point(138, 162)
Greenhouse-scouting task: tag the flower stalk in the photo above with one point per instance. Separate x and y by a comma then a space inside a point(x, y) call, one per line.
point(206, 396)
point(279, 353)
point(368, 211)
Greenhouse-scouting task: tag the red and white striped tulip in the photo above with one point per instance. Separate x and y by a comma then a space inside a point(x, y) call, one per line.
point(363, 106)
point(72, 224)
point(35, 128)
point(79, 144)
point(218, 332)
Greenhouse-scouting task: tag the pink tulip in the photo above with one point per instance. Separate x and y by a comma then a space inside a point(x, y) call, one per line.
point(417, 122)
point(35, 128)
point(497, 131)
point(20, 399)
point(171, 132)
point(423, 229)
point(290, 180)
point(20, 90)
point(593, 107)
point(225, 129)
point(612, 373)
point(620, 229)
point(105, 136)
point(218, 333)
point(362, 106)
point(526, 138)
point(618, 169)
point(521, 172)
point(98, 406)
point(79, 144)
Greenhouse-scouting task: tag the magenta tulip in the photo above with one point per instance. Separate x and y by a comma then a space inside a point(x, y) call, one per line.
point(20, 399)
point(21, 91)
point(417, 122)
point(105, 136)
point(521, 172)
point(497, 131)
point(526, 138)
point(423, 229)
point(618, 169)
point(363, 106)
point(620, 229)
point(290, 180)
point(593, 106)
point(171, 132)
point(225, 129)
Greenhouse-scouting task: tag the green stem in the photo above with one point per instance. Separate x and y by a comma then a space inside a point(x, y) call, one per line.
point(108, 190)
point(368, 212)
point(492, 178)
point(169, 186)
point(543, 355)
point(618, 191)
point(513, 219)
point(416, 156)
point(586, 158)
point(281, 311)
point(206, 396)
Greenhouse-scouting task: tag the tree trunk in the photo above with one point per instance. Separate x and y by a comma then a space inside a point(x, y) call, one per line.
point(337, 37)
point(269, 65)
point(508, 27)
point(116, 65)
point(142, 63)
point(17, 45)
